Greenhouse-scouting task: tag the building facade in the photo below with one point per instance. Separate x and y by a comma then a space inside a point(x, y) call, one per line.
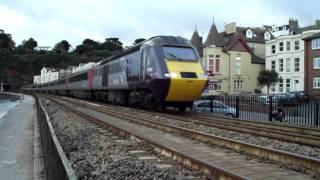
point(230, 58)
point(312, 65)
point(285, 55)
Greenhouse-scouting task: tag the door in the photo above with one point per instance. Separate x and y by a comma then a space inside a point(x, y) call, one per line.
point(143, 66)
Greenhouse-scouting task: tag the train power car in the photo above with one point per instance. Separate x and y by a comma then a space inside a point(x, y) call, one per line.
point(156, 73)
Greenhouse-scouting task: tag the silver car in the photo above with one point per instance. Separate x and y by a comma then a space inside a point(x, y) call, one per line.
point(217, 107)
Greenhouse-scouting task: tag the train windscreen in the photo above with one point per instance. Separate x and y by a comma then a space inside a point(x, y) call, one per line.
point(179, 53)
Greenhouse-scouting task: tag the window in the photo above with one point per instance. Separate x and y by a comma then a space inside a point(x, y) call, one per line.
point(214, 65)
point(273, 49)
point(296, 64)
point(280, 46)
point(316, 43)
point(266, 36)
point(179, 53)
point(238, 84)
point(287, 85)
point(296, 45)
point(316, 63)
point(249, 33)
point(281, 85)
point(288, 46)
point(216, 85)
point(316, 82)
point(273, 87)
point(273, 65)
point(217, 70)
point(288, 65)
point(280, 65)
point(238, 67)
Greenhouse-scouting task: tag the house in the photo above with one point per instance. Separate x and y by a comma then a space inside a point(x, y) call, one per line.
point(37, 79)
point(293, 28)
point(285, 55)
point(48, 74)
point(312, 65)
point(231, 63)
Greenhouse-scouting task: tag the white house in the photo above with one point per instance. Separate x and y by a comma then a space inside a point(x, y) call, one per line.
point(48, 74)
point(36, 79)
point(285, 55)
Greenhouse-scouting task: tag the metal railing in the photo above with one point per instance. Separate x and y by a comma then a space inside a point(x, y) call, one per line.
point(265, 109)
point(56, 164)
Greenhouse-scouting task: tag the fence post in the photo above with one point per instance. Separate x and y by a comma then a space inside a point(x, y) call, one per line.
point(316, 123)
point(211, 104)
point(237, 106)
point(270, 108)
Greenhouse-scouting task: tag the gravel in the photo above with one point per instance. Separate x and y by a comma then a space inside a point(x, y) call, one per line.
point(245, 137)
point(97, 153)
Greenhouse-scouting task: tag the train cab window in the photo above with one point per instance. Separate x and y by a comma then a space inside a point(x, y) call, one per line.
point(179, 53)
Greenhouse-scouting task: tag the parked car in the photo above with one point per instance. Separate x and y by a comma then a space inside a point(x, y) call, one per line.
point(301, 96)
point(217, 107)
point(265, 99)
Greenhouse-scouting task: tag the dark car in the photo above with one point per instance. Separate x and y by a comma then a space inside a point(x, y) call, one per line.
point(301, 96)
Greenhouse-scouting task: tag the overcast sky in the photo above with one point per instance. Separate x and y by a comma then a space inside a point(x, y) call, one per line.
point(50, 21)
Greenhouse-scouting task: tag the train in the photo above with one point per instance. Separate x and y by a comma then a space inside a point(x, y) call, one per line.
point(160, 72)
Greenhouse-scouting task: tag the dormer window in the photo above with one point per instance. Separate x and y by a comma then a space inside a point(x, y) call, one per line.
point(249, 33)
point(266, 36)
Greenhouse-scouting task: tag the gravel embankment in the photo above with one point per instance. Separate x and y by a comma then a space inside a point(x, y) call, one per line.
point(97, 153)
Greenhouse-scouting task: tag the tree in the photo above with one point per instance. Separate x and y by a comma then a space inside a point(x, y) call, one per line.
point(81, 49)
point(62, 47)
point(137, 41)
point(30, 44)
point(267, 77)
point(6, 43)
point(112, 44)
point(90, 44)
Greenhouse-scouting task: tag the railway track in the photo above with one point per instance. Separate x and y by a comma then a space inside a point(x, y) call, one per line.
point(288, 133)
point(211, 167)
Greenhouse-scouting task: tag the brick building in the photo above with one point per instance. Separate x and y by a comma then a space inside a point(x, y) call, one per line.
point(312, 65)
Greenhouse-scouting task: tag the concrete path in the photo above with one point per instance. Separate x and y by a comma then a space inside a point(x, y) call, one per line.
point(17, 141)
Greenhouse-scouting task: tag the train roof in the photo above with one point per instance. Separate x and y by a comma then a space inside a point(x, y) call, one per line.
point(156, 40)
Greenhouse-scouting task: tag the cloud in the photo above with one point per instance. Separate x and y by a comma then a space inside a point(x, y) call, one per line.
point(51, 21)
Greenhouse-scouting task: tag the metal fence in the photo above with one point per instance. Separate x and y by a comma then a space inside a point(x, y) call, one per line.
point(56, 164)
point(266, 109)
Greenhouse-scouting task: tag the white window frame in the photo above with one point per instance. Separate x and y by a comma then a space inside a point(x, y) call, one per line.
point(273, 65)
point(315, 43)
point(287, 45)
point(266, 36)
point(296, 64)
point(281, 48)
point(316, 63)
point(297, 45)
point(214, 65)
point(238, 67)
point(287, 64)
point(249, 33)
point(288, 85)
point(281, 65)
point(281, 85)
point(273, 49)
point(316, 82)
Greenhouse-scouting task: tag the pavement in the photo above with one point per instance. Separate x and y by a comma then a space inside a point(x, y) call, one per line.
point(20, 150)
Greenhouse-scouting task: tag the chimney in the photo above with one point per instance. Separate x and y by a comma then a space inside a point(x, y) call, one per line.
point(293, 25)
point(230, 28)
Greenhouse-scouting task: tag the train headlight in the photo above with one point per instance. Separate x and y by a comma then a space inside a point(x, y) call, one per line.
point(172, 75)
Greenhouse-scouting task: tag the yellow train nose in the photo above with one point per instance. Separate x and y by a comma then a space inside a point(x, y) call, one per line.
point(186, 83)
point(185, 90)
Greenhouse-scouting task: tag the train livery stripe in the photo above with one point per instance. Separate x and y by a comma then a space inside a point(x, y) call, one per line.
point(185, 89)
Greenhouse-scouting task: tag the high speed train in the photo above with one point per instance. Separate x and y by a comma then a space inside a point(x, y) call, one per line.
point(156, 73)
